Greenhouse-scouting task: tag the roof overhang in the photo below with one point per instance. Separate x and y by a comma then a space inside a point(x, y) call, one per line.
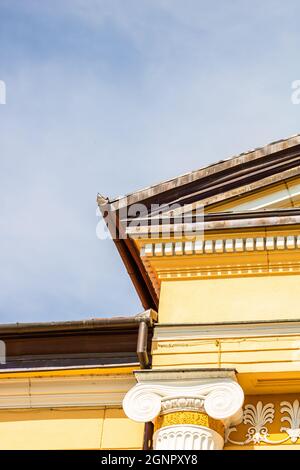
point(94, 343)
point(235, 178)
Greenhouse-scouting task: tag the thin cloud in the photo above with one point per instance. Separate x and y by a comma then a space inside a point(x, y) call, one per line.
point(111, 97)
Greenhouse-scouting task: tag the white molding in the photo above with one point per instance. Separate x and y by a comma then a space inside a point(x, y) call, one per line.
point(221, 397)
point(181, 403)
point(187, 437)
point(221, 246)
point(186, 377)
point(219, 331)
point(61, 392)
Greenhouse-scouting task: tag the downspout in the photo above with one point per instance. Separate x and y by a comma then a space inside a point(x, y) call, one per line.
point(142, 346)
point(145, 363)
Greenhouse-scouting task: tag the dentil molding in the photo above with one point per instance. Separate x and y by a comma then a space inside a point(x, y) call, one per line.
point(228, 245)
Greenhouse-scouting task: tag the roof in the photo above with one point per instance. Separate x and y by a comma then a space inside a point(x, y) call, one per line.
point(98, 342)
point(247, 160)
point(237, 176)
point(76, 326)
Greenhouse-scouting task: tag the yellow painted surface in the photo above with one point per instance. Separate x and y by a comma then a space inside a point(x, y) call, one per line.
point(71, 372)
point(228, 299)
point(51, 429)
point(262, 383)
point(68, 429)
point(245, 354)
point(203, 288)
point(121, 433)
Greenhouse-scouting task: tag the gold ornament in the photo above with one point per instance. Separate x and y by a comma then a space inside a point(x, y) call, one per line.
point(189, 417)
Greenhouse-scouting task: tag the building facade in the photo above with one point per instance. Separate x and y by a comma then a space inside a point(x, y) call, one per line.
point(214, 361)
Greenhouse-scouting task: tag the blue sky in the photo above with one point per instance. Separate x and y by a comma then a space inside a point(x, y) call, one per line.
point(113, 95)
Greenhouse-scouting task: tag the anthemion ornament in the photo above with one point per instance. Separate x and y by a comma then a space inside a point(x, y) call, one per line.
point(257, 416)
point(260, 415)
point(293, 418)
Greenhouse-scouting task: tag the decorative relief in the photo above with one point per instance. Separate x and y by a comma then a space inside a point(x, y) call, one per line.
point(220, 399)
point(293, 418)
point(181, 403)
point(260, 415)
point(189, 408)
point(189, 417)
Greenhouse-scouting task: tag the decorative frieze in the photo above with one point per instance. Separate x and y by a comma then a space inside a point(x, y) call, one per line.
point(194, 418)
point(260, 415)
point(231, 245)
point(181, 403)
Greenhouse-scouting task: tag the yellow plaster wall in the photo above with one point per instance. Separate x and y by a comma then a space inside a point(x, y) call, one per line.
point(248, 355)
point(68, 429)
point(119, 432)
point(230, 299)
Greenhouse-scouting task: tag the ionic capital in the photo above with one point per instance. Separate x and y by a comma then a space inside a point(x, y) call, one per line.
point(158, 392)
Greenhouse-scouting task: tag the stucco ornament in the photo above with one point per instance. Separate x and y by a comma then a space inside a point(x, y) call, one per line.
point(257, 416)
point(260, 415)
point(293, 418)
point(141, 404)
point(190, 408)
point(220, 399)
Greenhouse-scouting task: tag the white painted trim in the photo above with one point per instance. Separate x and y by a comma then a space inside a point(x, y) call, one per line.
point(184, 377)
point(216, 392)
point(187, 437)
point(61, 392)
point(220, 246)
point(218, 331)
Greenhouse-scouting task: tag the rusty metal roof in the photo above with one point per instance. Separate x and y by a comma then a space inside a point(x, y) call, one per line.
point(236, 176)
point(230, 164)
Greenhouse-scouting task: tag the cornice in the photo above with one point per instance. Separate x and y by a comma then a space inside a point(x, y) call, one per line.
point(167, 332)
point(64, 392)
point(222, 245)
point(223, 257)
point(148, 228)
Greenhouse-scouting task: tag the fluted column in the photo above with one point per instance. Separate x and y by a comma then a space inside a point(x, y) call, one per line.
point(190, 409)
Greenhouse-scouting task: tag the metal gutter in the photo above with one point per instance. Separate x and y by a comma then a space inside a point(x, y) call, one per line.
point(78, 326)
